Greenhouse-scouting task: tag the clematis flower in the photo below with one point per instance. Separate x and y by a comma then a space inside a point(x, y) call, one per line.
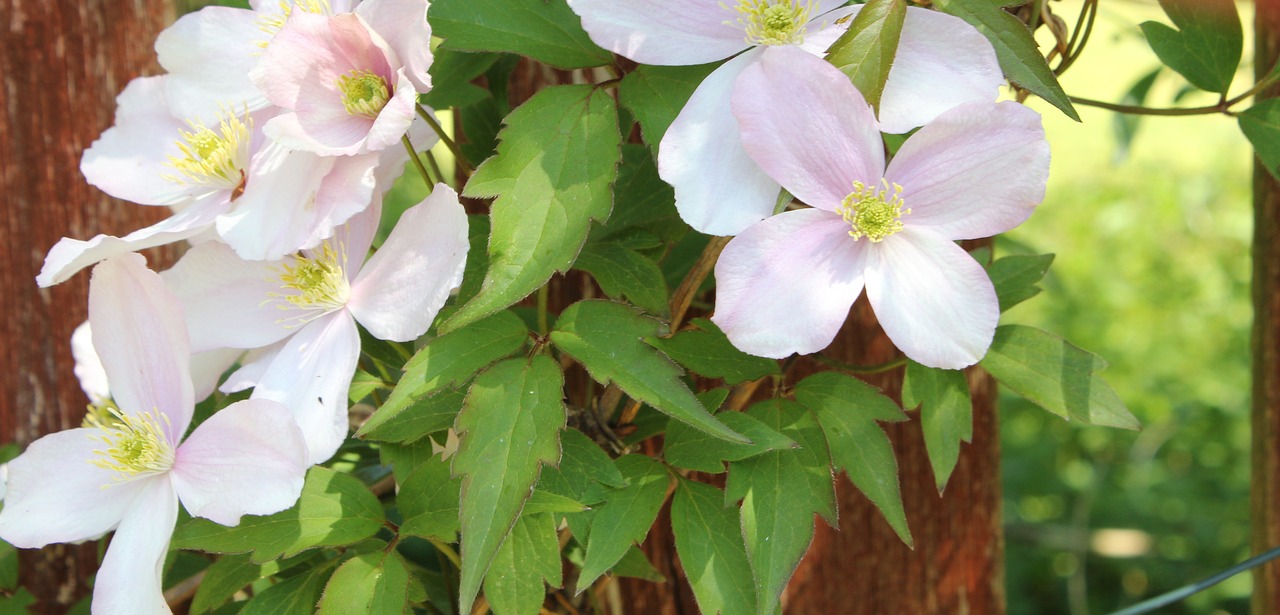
point(305, 308)
point(206, 368)
point(127, 469)
point(786, 283)
point(941, 62)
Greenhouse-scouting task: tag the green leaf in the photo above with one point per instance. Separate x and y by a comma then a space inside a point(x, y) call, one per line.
point(847, 409)
point(584, 470)
point(294, 595)
point(1125, 125)
point(624, 273)
point(641, 202)
point(1015, 277)
point(1015, 49)
point(376, 583)
point(709, 543)
point(362, 384)
point(451, 75)
point(545, 30)
point(946, 414)
point(625, 517)
point(865, 51)
point(445, 361)
point(1261, 125)
point(780, 492)
point(707, 352)
point(656, 94)
point(508, 429)
point(1207, 45)
point(529, 555)
point(230, 573)
point(635, 565)
point(428, 501)
point(607, 338)
point(335, 509)
point(547, 502)
point(8, 566)
point(688, 448)
point(552, 175)
point(1056, 376)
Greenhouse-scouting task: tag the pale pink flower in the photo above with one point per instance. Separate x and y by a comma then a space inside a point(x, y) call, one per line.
point(786, 283)
point(206, 368)
point(941, 62)
point(127, 470)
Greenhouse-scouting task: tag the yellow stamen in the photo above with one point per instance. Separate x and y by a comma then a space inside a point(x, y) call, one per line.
point(271, 23)
point(214, 158)
point(363, 93)
point(136, 444)
point(872, 212)
point(774, 22)
point(320, 285)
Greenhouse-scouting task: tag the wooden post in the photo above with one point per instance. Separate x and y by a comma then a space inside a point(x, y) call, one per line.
point(62, 64)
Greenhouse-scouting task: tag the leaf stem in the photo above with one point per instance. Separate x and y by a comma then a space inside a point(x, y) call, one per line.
point(1148, 606)
point(447, 551)
point(458, 156)
point(1224, 104)
point(543, 326)
point(417, 162)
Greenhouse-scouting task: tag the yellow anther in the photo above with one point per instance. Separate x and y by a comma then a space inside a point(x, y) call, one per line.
point(872, 211)
point(271, 23)
point(363, 93)
point(136, 444)
point(214, 158)
point(320, 285)
point(774, 22)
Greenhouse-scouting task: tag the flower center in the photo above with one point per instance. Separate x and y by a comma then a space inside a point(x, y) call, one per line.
point(272, 23)
point(136, 445)
point(214, 158)
point(363, 93)
point(320, 283)
point(872, 211)
point(774, 22)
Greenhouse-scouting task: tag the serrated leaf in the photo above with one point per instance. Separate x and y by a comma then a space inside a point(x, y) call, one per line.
point(294, 595)
point(607, 338)
point(508, 429)
point(376, 583)
point(709, 543)
point(624, 273)
point(335, 509)
point(946, 414)
point(552, 175)
point(230, 573)
point(451, 75)
point(691, 449)
point(1055, 375)
point(780, 492)
point(847, 409)
point(1015, 49)
point(584, 470)
point(547, 502)
point(656, 94)
point(1261, 125)
point(625, 517)
point(545, 30)
point(865, 51)
point(1015, 277)
point(707, 352)
point(641, 202)
point(1207, 45)
point(445, 361)
point(428, 501)
point(529, 555)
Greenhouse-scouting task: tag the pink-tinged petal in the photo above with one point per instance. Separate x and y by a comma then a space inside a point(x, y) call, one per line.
point(276, 215)
point(140, 334)
point(663, 32)
point(806, 125)
point(403, 24)
point(941, 62)
point(208, 55)
point(56, 495)
point(129, 579)
point(207, 369)
point(394, 120)
point(350, 188)
point(298, 55)
point(252, 367)
point(822, 31)
point(227, 299)
point(311, 375)
point(356, 237)
point(88, 369)
point(335, 133)
point(247, 459)
point(719, 189)
point(933, 300)
point(69, 256)
point(403, 286)
point(977, 170)
point(786, 284)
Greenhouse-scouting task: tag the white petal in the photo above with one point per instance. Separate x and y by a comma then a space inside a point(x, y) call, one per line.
point(130, 576)
point(247, 459)
point(663, 32)
point(276, 215)
point(228, 299)
point(88, 369)
point(933, 300)
point(978, 170)
point(207, 369)
point(786, 284)
point(252, 367)
point(311, 376)
point(395, 118)
point(822, 31)
point(208, 55)
point(402, 287)
point(719, 190)
point(403, 24)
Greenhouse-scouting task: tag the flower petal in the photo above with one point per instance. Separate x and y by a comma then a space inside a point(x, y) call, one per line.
point(977, 170)
point(226, 298)
point(663, 32)
point(247, 459)
point(56, 495)
point(719, 189)
point(402, 287)
point(252, 367)
point(786, 284)
point(403, 24)
point(822, 31)
point(806, 125)
point(141, 337)
point(311, 375)
point(129, 579)
point(933, 300)
point(207, 369)
point(276, 215)
point(88, 368)
point(198, 88)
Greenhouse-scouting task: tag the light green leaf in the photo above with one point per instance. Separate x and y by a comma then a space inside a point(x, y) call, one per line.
point(1261, 125)
point(707, 352)
point(656, 94)
point(625, 517)
point(230, 573)
point(865, 51)
point(428, 501)
point(584, 470)
point(1056, 376)
point(376, 583)
point(1207, 45)
point(847, 409)
point(688, 448)
point(298, 594)
point(335, 509)
point(545, 30)
point(552, 175)
point(529, 555)
point(426, 415)
point(362, 384)
point(946, 414)
point(709, 543)
point(607, 338)
point(624, 273)
point(1015, 277)
point(508, 429)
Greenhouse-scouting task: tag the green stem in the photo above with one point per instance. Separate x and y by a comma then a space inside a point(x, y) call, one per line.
point(543, 326)
point(435, 167)
point(447, 551)
point(1223, 106)
point(1148, 606)
point(859, 369)
point(417, 162)
point(458, 157)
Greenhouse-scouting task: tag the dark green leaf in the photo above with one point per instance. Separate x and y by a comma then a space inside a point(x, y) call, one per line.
point(865, 51)
point(8, 566)
point(707, 352)
point(656, 94)
point(376, 583)
point(547, 502)
point(946, 414)
point(425, 415)
point(1016, 277)
point(709, 543)
point(641, 202)
point(451, 75)
point(635, 565)
point(230, 574)
point(545, 30)
point(625, 517)
point(294, 595)
point(530, 554)
point(1261, 125)
point(624, 273)
point(1207, 45)
point(691, 449)
point(428, 501)
point(584, 470)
